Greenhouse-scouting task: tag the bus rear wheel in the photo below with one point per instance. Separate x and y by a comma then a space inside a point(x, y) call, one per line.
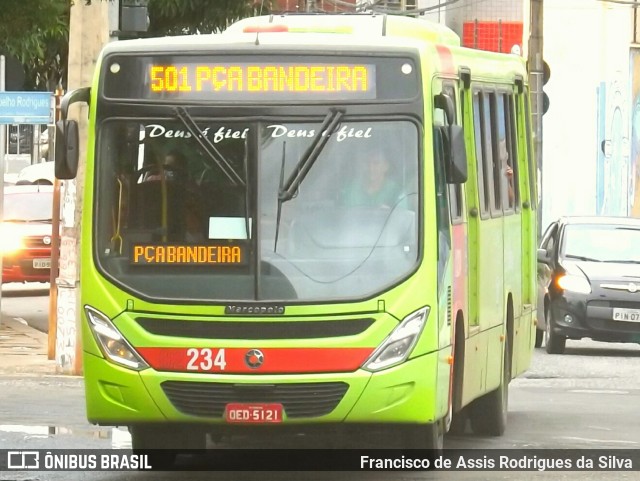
point(539, 337)
point(488, 414)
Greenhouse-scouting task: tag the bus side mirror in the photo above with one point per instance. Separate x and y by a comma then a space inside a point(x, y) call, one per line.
point(67, 149)
point(445, 103)
point(456, 156)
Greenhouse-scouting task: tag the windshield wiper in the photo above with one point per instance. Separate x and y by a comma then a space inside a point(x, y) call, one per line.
point(288, 190)
point(581, 258)
point(279, 212)
point(214, 154)
point(26, 221)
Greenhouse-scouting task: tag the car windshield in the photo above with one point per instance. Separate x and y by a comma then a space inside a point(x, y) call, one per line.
point(173, 225)
point(28, 207)
point(601, 242)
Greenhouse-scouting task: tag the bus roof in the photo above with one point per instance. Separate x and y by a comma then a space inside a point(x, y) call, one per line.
point(358, 25)
point(318, 32)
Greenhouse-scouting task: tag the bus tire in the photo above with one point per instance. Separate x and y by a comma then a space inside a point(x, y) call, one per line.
point(153, 442)
point(554, 343)
point(459, 422)
point(488, 414)
point(539, 337)
point(426, 436)
point(161, 443)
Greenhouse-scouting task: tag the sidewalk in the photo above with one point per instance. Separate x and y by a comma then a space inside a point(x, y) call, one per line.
point(23, 349)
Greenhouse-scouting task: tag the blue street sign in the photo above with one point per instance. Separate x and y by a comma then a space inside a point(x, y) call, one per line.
point(26, 108)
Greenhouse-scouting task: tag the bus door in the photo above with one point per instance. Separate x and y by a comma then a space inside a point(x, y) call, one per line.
point(457, 292)
point(486, 243)
point(507, 160)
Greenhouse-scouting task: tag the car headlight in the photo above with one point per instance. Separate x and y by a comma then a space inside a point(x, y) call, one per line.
point(10, 240)
point(113, 345)
point(396, 348)
point(574, 283)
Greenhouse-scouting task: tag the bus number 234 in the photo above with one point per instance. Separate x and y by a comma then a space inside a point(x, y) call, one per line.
point(205, 359)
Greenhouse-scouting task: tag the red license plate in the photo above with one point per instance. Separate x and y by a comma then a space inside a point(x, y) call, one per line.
point(253, 413)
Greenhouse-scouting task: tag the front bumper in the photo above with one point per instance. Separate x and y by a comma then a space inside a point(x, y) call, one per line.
point(403, 394)
point(577, 316)
point(22, 271)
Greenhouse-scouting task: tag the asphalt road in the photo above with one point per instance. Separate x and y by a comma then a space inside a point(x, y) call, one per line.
point(584, 399)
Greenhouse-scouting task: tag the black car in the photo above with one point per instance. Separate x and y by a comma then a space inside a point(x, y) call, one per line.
point(591, 280)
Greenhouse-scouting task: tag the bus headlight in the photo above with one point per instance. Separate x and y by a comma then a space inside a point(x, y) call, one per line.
point(113, 345)
point(396, 348)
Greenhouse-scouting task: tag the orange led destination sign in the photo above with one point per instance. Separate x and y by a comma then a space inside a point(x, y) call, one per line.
point(276, 80)
point(188, 255)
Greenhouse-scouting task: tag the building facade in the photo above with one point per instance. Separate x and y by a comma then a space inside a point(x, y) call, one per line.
point(591, 132)
point(592, 129)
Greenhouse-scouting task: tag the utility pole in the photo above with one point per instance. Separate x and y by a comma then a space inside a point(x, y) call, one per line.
point(55, 244)
point(536, 82)
point(88, 32)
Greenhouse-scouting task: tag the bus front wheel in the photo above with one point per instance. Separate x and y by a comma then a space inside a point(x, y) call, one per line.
point(161, 443)
point(488, 414)
point(426, 436)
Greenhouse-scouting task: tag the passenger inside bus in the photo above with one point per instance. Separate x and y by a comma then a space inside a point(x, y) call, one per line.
point(167, 202)
point(173, 167)
point(377, 186)
point(505, 164)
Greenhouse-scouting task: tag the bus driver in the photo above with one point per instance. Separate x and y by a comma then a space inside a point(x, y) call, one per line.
point(376, 187)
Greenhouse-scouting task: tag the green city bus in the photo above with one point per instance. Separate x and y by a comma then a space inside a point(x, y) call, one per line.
point(238, 269)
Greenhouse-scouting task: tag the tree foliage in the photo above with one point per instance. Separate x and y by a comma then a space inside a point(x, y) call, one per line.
point(36, 32)
point(176, 17)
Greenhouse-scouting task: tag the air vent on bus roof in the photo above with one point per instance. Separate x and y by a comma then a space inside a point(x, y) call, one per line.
point(271, 28)
point(265, 28)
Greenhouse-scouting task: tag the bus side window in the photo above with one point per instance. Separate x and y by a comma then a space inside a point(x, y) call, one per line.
point(495, 160)
point(505, 161)
point(443, 213)
point(455, 190)
point(512, 138)
point(481, 153)
point(531, 162)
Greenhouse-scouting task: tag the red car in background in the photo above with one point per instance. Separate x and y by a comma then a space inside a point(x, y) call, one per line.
point(25, 234)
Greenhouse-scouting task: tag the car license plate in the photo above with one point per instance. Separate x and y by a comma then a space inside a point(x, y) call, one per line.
point(628, 315)
point(42, 263)
point(253, 413)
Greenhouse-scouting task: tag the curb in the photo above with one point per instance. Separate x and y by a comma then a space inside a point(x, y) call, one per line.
point(25, 329)
point(23, 349)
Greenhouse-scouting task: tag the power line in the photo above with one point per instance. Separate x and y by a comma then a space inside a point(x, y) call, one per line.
point(415, 11)
point(622, 2)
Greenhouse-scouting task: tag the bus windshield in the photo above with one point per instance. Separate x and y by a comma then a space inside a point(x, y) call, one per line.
point(172, 226)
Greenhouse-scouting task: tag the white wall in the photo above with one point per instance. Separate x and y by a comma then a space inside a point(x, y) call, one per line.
point(585, 43)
